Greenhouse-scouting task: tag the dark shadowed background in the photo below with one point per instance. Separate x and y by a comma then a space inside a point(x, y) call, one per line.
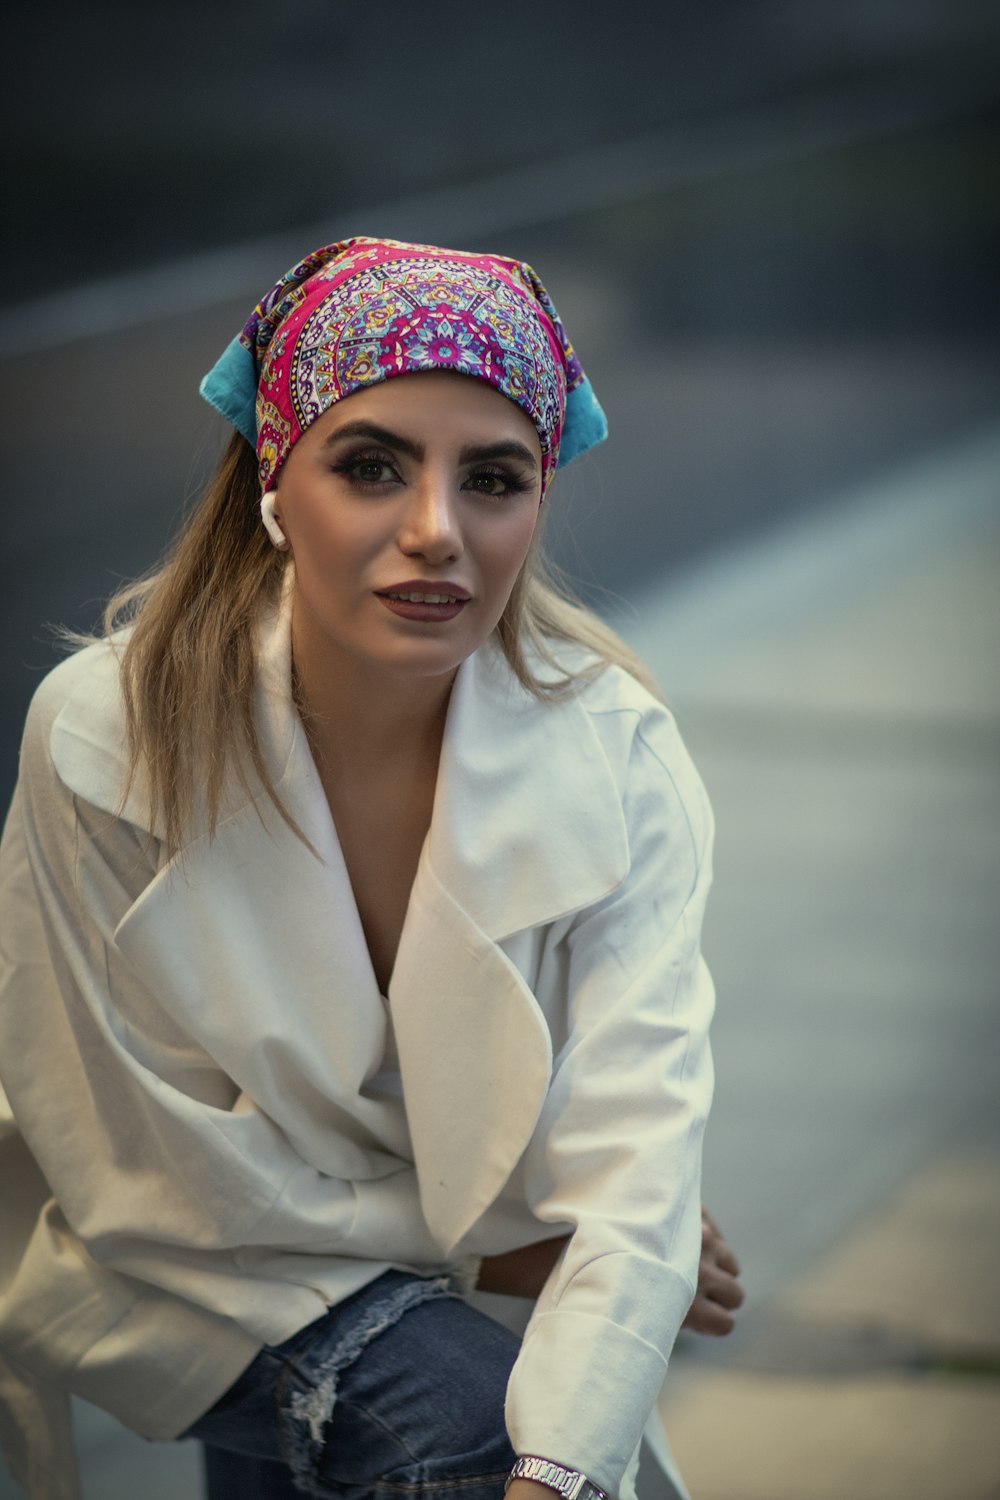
point(771, 228)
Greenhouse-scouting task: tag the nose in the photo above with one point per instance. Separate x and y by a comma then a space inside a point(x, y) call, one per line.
point(430, 526)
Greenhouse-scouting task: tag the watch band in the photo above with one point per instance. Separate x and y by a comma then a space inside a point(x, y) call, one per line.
point(569, 1483)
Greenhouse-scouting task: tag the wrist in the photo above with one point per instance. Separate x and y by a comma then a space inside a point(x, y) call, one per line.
point(543, 1474)
point(527, 1489)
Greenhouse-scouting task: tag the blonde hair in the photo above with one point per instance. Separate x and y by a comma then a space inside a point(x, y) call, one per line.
point(188, 667)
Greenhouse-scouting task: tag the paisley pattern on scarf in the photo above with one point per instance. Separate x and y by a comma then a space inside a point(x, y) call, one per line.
point(362, 311)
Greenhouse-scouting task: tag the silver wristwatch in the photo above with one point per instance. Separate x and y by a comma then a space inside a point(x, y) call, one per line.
point(569, 1483)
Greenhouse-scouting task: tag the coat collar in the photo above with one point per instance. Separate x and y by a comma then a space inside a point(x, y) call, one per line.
point(527, 823)
point(527, 827)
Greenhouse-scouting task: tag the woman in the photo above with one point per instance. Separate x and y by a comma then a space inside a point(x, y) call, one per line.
point(353, 895)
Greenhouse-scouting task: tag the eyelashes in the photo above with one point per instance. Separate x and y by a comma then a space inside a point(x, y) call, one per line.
point(352, 464)
point(508, 481)
point(493, 481)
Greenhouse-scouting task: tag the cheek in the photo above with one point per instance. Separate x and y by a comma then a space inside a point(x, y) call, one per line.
point(512, 547)
point(325, 538)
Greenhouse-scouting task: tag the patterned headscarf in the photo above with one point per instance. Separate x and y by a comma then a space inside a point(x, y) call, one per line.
point(363, 310)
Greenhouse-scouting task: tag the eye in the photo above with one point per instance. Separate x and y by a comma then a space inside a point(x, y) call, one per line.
point(367, 470)
point(495, 483)
point(372, 470)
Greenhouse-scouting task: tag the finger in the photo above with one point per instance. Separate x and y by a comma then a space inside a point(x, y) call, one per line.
point(718, 1287)
point(713, 1245)
point(705, 1316)
point(707, 1222)
point(726, 1293)
point(725, 1258)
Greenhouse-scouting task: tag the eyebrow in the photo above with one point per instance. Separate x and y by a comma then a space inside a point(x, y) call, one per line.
point(475, 453)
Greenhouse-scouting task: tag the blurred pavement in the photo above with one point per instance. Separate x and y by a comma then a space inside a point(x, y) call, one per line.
point(839, 686)
point(875, 1375)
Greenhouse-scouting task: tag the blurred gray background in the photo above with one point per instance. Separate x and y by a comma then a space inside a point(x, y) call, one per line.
point(772, 230)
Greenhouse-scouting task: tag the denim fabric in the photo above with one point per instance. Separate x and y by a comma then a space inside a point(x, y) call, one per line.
point(397, 1392)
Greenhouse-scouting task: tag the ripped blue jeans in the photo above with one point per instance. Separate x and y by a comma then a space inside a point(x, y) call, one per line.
point(397, 1392)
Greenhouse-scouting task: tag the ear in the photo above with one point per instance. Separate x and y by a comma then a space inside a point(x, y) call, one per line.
point(270, 521)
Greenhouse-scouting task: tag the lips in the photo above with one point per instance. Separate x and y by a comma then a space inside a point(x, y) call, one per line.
point(425, 603)
point(426, 591)
point(412, 597)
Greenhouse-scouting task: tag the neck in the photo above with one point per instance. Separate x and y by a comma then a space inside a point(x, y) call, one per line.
point(359, 718)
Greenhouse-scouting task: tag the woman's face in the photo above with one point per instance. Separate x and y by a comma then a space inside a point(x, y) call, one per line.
point(409, 508)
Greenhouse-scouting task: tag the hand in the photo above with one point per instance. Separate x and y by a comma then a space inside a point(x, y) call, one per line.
point(719, 1292)
point(523, 1273)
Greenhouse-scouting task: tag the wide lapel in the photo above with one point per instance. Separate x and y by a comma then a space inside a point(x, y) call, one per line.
point(256, 947)
point(253, 942)
point(527, 827)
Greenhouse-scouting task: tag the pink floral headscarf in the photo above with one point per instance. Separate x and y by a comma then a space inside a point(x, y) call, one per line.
point(364, 310)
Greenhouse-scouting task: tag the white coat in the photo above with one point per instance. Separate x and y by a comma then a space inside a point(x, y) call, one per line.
point(199, 1164)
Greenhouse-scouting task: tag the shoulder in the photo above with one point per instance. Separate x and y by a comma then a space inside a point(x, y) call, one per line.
point(81, 695)
point(86, 680)
point(656, 776)
point(611, 718)
point(75, 727)
point(626, 715)
point(636, 731)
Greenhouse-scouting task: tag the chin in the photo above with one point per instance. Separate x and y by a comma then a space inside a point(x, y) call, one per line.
point(419, 661)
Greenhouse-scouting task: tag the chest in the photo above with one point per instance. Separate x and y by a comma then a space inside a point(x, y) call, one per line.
point(381, 827)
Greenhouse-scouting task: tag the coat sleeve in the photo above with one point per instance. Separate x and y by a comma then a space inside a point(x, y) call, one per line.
point(618, 1148)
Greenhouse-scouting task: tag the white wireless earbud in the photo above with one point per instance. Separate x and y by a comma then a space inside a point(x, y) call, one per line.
point(271, 526)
